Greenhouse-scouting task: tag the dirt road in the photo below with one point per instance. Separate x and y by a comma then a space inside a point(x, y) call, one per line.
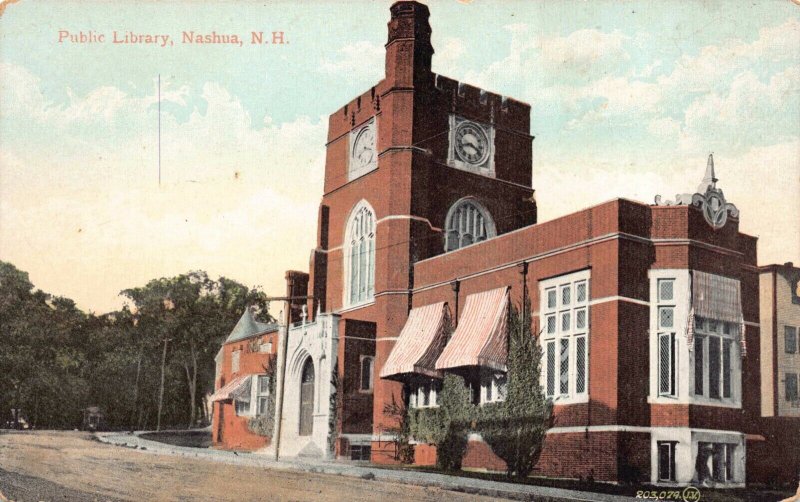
point(71, 466)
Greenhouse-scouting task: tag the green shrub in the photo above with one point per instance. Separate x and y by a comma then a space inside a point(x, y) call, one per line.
point(264, 424)
point(515, 427)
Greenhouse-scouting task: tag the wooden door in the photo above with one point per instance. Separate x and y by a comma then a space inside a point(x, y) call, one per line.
point(307, 399)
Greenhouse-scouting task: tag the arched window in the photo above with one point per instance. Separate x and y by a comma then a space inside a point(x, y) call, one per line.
point(467, 222)
point(360, 255)
point(367, 365)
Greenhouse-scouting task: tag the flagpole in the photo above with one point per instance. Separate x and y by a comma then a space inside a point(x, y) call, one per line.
point(159, 130)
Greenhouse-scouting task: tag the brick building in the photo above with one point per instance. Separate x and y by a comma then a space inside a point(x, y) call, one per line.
point(649, 314)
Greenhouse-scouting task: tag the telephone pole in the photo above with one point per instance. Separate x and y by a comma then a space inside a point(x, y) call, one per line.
point(282, 349)
point(161, 389)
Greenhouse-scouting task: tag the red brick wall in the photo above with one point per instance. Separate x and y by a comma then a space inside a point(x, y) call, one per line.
point(235, 433)
point(411, 107)
point(479, 455)
point(580, 455)
point(356, 340)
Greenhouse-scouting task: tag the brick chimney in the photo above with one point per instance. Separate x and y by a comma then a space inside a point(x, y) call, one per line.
point(409, 50)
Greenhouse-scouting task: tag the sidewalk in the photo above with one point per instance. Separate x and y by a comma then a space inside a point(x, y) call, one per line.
point(455, 483)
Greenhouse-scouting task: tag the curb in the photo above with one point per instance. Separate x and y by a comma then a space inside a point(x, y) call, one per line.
point(496, 489)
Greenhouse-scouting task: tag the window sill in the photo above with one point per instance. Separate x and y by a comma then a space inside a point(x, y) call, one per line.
point(559, 400)
point(482, 403)
point(727, 403)
point(356, 306)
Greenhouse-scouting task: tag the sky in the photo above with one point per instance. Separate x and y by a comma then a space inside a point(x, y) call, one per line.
point(628, 99)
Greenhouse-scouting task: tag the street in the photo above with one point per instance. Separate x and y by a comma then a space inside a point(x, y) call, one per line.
point(72, 466)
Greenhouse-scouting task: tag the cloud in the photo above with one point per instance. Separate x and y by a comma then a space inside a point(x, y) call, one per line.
point(583, 53)
point(748, 111)
point(237, 198)
point(771, 213)
point(449, 54)
point(362, 62)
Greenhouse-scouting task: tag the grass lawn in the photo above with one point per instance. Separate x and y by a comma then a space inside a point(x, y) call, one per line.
point(753, 493)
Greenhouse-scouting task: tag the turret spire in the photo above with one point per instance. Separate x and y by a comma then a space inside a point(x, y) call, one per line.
point(710, 178)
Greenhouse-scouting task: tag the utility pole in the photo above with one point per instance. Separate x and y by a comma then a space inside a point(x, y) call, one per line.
point(161, 390)
point(282, 350)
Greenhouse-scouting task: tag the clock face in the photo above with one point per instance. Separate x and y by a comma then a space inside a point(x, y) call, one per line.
point(471, 143)
point(364, 147)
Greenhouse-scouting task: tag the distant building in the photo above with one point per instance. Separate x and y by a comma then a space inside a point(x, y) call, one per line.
point(648, 314)
point(242, 384)
point(780, 340)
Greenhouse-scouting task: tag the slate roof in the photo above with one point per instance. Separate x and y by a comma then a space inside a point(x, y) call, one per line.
point(248, 326)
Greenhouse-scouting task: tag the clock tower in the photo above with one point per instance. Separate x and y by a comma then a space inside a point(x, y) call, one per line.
point(416, 166)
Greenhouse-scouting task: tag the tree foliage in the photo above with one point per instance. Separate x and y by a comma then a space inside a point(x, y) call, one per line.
point(448, 425)
point(515, 427)
point(57, 360)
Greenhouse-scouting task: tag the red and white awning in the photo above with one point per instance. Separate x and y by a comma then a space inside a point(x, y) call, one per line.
point(238, 388)
point(420, 342)
point(719, 298)
point(480, 338)
point(716, 297)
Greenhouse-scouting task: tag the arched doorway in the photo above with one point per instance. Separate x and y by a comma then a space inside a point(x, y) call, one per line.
point(307, 399)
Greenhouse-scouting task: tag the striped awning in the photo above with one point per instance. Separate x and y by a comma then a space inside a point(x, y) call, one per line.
point(480, 338)
point(719, 298)
point(238, 388)
point(420, 342)
point(716, 297)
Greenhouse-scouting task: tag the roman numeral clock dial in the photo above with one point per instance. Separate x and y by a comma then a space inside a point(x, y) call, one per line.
point(364, 148)
point(471, 143)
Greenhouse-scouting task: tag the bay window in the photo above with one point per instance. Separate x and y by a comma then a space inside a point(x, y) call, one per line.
point(715, 354)
point(696, 339)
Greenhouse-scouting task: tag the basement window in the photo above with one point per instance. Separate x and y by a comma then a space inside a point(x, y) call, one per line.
point(360, 452)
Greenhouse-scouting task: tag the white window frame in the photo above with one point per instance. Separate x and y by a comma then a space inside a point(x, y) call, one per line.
point(494, 387)
point(565, 315)
point(687, 443)
point(671, 446)
point(418, 391)
point(242, 407)
point(667, 332)
point(726, 333)
point(685, 359)
point(467, 217)
point(262, 395)
point(354, 239)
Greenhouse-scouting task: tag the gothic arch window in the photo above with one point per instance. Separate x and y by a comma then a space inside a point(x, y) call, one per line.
point(467, 222)
point(360, 255)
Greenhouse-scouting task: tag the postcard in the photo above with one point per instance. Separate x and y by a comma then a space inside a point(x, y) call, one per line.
point(399, 250)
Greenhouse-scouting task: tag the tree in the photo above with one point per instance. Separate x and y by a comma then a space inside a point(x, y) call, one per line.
point(195, 314)
point(515, 427)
